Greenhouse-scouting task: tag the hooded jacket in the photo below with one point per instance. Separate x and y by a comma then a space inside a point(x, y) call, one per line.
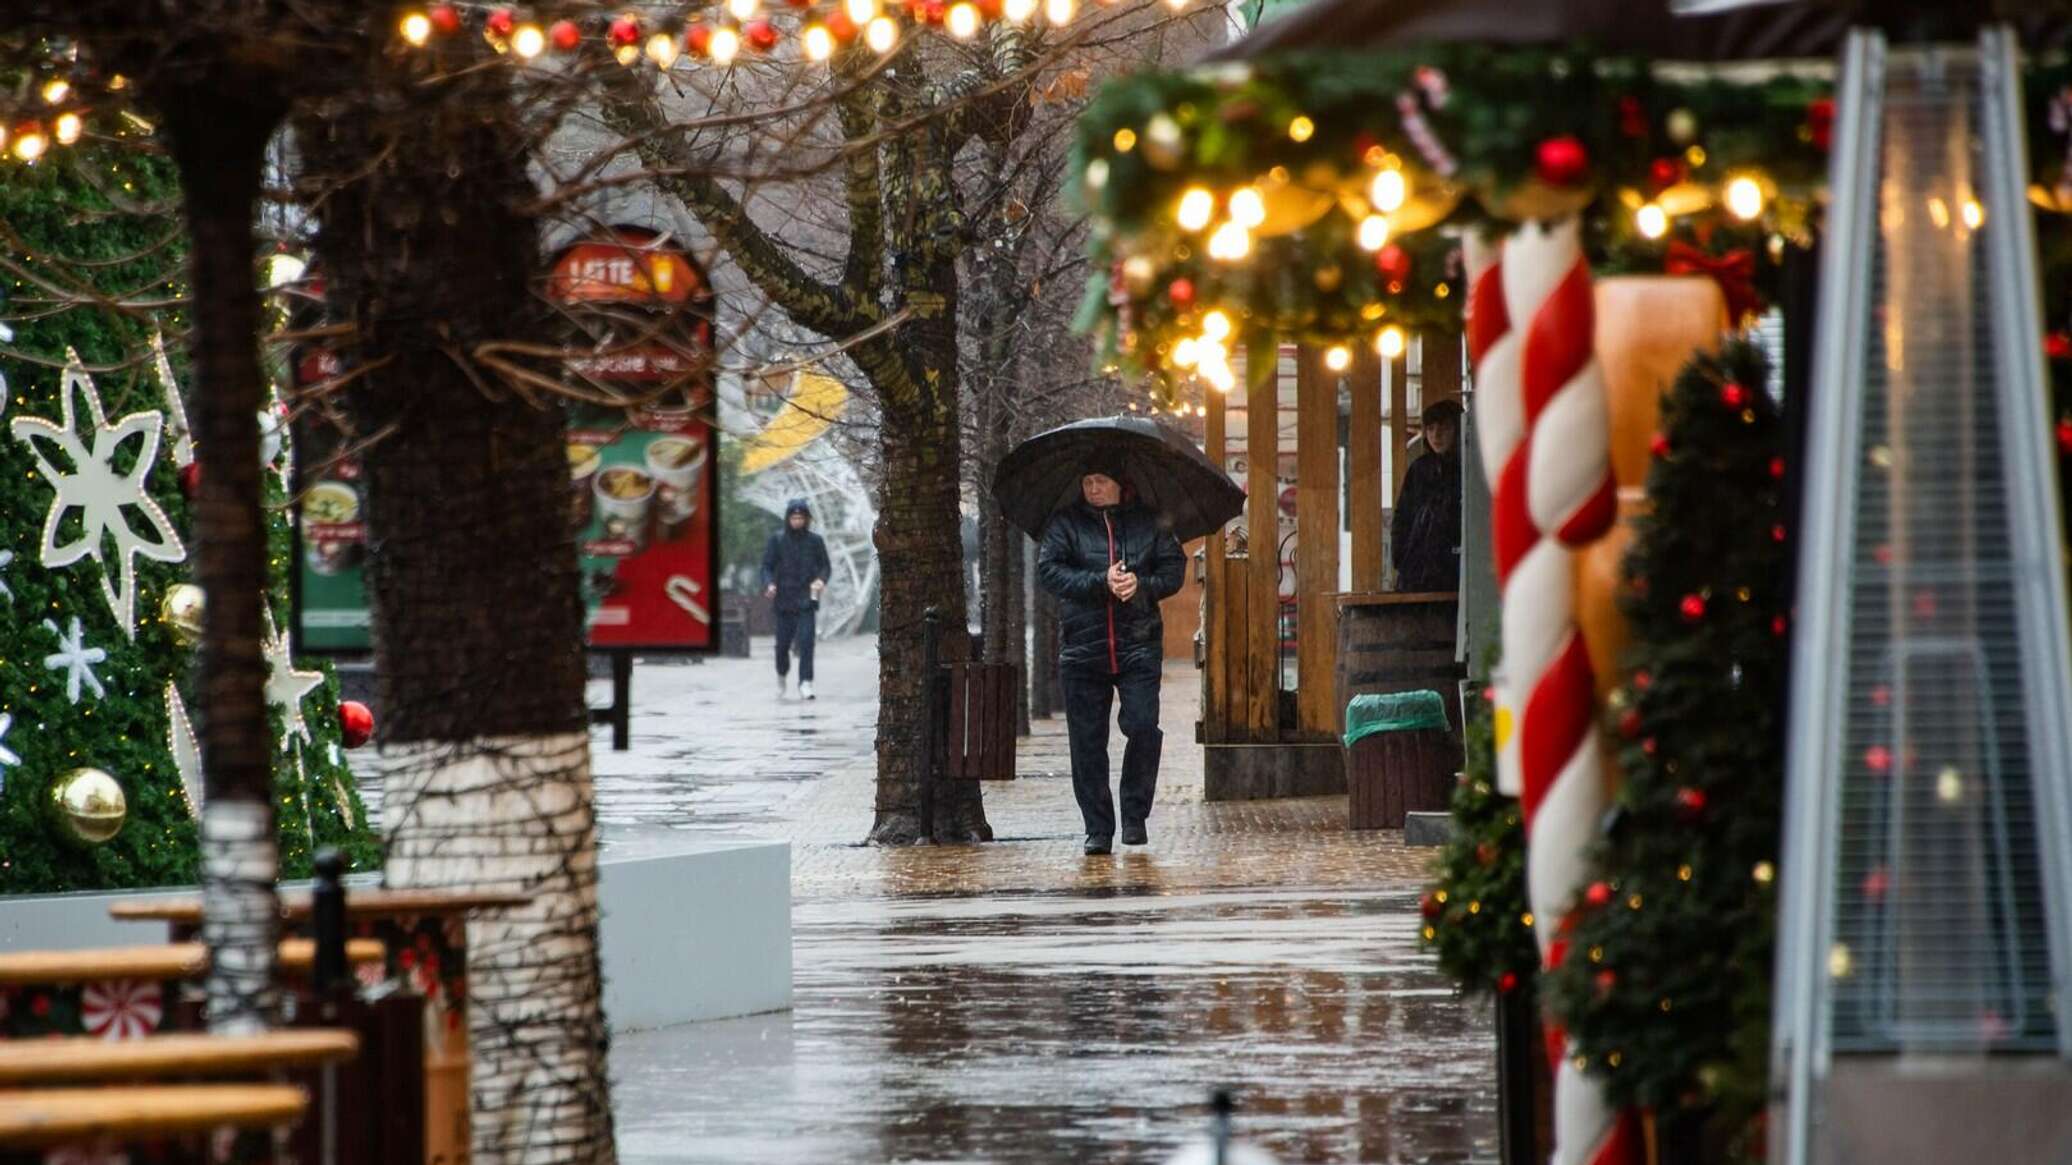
point(1094, 630)
point(1424, 536)
point(794, 560)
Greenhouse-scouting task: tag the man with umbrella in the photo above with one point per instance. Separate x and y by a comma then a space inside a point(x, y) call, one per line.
point(1110, 500)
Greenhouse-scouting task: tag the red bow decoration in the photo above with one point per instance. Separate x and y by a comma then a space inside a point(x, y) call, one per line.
point(1733, 271)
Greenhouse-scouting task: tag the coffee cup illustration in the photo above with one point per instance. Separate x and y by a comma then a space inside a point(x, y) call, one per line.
point(583, 461)
point(328, 509)
point(677, 463)
point(625, 493)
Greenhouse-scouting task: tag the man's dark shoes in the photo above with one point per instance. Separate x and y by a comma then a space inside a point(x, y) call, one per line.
point(1097, 845)
point(1133, 833)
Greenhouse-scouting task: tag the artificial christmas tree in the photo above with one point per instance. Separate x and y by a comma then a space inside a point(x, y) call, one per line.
point(99, 770)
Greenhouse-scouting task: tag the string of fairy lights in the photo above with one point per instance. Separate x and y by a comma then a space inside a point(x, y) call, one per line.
point(721, 33)
point(53, 116)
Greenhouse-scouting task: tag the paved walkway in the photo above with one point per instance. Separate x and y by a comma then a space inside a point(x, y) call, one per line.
point(1018, 1002)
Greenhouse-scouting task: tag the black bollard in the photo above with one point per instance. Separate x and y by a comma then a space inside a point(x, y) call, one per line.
point(1222, 1105)
point(327, 922)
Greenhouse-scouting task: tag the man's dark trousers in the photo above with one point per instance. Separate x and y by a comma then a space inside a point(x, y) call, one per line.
point(795, 626)
point(1089, 693)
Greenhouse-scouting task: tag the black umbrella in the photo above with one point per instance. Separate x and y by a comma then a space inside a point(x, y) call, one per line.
point(1168, 474)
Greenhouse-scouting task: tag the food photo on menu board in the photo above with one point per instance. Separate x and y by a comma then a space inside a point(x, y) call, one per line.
point(642, 484)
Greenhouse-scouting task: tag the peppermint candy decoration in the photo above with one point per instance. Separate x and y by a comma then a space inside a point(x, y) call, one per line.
point(1423, 136)
point(121, 1009)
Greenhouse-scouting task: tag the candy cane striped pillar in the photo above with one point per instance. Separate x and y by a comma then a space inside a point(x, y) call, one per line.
point(1545, 434)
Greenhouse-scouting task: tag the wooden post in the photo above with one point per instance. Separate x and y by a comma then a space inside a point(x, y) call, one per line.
point(1215, 670)
point(1441, 378)
point(1399, 423)
point(1316, 541)
point(1364, 469)
point(1262, 681)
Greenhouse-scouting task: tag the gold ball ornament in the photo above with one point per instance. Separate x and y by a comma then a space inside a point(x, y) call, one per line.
point(1682, 125)
point(1164, 144)
point(182, 609)
point(90, 806)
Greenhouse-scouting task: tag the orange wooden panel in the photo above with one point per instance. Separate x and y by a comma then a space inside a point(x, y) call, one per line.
point(1262, 455)
point(1316, 541)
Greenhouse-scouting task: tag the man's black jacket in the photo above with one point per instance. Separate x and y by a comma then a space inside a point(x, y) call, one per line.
point(1094, 630)
point(793, 561)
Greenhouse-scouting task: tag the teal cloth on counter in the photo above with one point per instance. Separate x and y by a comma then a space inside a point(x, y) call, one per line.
point(1393, 712)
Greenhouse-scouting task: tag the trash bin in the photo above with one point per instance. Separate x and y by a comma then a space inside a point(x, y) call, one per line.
point(1401, 757)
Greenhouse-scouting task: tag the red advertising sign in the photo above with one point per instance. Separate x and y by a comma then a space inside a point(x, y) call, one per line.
point(629, 267)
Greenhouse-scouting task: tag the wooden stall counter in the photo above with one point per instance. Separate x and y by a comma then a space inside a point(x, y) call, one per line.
point(160, 963)
point(55, 1116)
point(93, 1060)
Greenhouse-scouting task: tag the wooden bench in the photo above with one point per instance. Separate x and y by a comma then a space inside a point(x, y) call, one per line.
point(191, 1055)
point(46, 1117)
point(162, 963)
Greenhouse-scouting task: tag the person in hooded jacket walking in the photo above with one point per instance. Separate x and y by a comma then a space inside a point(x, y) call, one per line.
point(1110, 563)
point(1424, 537)
point(795, 572)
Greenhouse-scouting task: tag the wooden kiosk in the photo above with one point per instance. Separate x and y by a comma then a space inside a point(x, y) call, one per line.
point(1265, 609)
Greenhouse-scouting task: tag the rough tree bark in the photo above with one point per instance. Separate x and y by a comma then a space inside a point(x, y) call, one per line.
point(217, 121)
point(478, 626)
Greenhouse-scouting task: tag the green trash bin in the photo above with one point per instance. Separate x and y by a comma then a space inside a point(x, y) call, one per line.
point(1401, 757)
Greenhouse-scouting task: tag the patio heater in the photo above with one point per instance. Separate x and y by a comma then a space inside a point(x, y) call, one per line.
point(1926, 937)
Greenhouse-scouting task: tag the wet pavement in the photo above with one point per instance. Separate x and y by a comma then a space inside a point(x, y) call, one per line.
point(1018, 1002)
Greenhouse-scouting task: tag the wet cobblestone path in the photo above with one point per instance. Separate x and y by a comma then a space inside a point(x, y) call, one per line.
point(1018, 1002)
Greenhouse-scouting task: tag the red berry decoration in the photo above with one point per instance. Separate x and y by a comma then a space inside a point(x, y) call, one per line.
point(1777, 532)
point(761, 35)
point(1599, 894)
point(1659, 445)
point(355, 723)
point(1779, 625)
point(1489, 693)
point(1643, 679)
point(1507, 982)
point(1393, 262)
point(1881, 696)
point(1429, 906)
point(1485, 853)
point(1629, 724)
point(1633, 117)
point(841, 26)
point(1777, 468)
point(991, 9)
point(500, 23)
point(1820, 121)
point(190, 479)
point(1732, 395)
point(565, 34)
point(625, 32)
point(2065, 436)
point(1692, 607)
point(1664, 173)
point(1882, 552)
point(1650, 746)
point(1878, 759)
point(445, 19)
point(1180, 292)
point(2058, 346)
point(934, 11)
point(1690, 803)
point(697, 39)
point(1876, 883)
point(1607, 979)
point(1561, 161)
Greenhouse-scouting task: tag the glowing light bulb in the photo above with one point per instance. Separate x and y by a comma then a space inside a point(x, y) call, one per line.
point(743, 9)
point(626, 54)
point(861, 11)
point(1184, 354)
point(819, 42)
point(415, 28)
point(29, 144)
point(1247, 208)
point(1652, 221)
point(66, 128)
point(962, 21)
point(1197, 207)
point(1390, 342)
point(1374, 233)
point(881, 34)
point(529, 41)
point(1125, 140)
point(1018, 11)
point(1388, 191)
point(1301, 129)
point(1216, 325)
point(1220, 378)
point(1059, 11)
point(724, 46)
point(1744, 198)
point(1974, 214)
point(1097, 173)
point(1230, 243)
point(1338, 358)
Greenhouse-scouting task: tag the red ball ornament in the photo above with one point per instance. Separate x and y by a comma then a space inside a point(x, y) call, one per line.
point(934, 11)
point(1924, 605)
point(1507, 982)
point(990, 9)
point(1599, 894)
point(800, 3)
point(190, 479)
point(1664, 173)
point(1659, 445)
point(1429, 906)
point(1562, 161)
point(841, 26)
point(1881, 696)
point(1820, 121)
point(565, 34)
point(1643, 679)
point(1690, 803)
point(355, 723)
point(500, 23)
point(2065, 436)
point(2058, 346)
point(1876, 883)
point(1779, 625)
point(1607, 979)
point(1180, 292)
point(1633, 117)
point(697, 39)
point(1692, 607)
point(1485, 853)
point(1650, 746)
point(625, 32)
point(1629, 724)
point(1732, 395)
point(1878, 759)
point(1489, 693)
point(1777, 468)
point(1882, 553)
point(761, 35)
point(1393, 262)
point(445, 19)
point(1777, 532)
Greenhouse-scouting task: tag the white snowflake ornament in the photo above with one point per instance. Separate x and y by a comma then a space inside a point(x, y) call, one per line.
point(104, 496)
point(8, 758)
point(6, 557)
point(76, 660)
point(286, 687)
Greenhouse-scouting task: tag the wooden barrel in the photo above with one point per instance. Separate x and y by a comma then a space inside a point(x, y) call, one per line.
point(1398, 643)
point(1391, 774)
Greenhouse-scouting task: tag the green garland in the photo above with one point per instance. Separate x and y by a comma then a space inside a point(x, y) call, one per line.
point(1478, 134)
point(1476, 913)
point(1665, 988)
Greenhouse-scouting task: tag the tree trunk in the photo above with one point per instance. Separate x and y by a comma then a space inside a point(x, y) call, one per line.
point(478, 620)
point(218, 126)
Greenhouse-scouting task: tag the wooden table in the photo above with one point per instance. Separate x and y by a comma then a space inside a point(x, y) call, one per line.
point(185, 910)
point(54, 1116)
point(165, 961)
point(90, 1060)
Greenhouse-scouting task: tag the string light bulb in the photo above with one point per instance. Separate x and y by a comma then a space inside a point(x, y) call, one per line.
point(1974, 214)
point(29, 143)
point(1390, 342)
point(1197, 207)
point(1301, 129)
point(1247, 207)
point(66, 128)
point(1338, 358)
point(725, 45)
point(1745, 198)
point(1018, 11)
point(819, 42)
point(1216, 325)
point(415, 29)
point(962, 20)
point(861, 11)
point(1388, 190)
point(528, 41)
point(1230, 243)
point(1652, 221)
point(626, 54)
point(743, 9)
point(1185, 354)
point(1374, 233)
point(1059, 12)
point(881, 34)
